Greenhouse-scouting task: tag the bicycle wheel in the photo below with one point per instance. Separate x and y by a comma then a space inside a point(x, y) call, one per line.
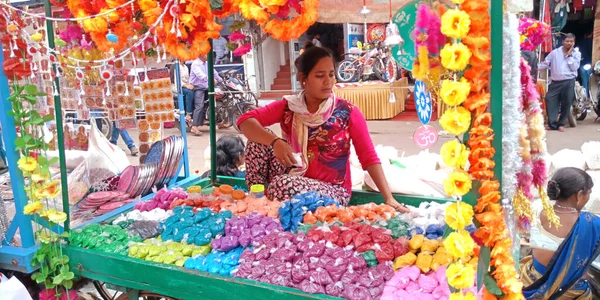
point(145, 295)
point(347, 71)
point(105, 293)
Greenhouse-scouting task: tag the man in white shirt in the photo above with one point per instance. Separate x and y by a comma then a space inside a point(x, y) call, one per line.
point(563, 63)
point(199, 79)
point(220, 48)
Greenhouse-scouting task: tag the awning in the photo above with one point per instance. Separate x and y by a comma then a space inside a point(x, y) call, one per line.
point(347, 11)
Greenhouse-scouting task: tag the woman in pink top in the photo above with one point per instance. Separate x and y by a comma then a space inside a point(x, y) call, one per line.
point(317, 128)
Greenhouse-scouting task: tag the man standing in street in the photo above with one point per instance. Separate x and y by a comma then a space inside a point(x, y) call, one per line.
point(563, 63)
point(199, 78)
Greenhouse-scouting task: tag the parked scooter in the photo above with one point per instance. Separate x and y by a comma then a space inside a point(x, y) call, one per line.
point(230, 104)
point(586, 101)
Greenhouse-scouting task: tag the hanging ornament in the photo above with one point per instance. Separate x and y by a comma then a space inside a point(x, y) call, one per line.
point(54, 88)
point(80, 76)
point(106, 75)
point(111, 37)
point(158, 59)
point(392, 98)
point(126, 85)
point(136, 80)
point(392, 35)
point(36, 37)
point(31, 50)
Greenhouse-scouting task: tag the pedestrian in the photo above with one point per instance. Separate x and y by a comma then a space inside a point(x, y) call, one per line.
point(114, 138)
point(187, 89)
point(199, 79)
point(316, 40)
point(220, 50)
point(563, 63)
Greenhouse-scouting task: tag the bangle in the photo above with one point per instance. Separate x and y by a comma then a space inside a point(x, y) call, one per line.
point(275, 141)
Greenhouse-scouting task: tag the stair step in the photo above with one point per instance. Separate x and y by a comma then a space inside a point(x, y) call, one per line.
point(285, 68)
point(272, 95)
point(284, 74)
point(282, 81)
point(281, 87)
point(409, 107)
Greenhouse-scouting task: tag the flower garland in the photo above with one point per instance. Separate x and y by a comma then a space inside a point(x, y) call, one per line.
point(455, 56)
point(429, 40)
point(272, 15)
point(533, 33)
point(533, 174)
point(492, 231)
point(511, 116)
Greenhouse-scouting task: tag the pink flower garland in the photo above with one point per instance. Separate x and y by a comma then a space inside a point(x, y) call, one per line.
point(533, 172)
point(533, 33)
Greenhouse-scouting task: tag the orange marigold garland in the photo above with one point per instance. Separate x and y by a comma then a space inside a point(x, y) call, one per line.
point(492, 231)
point(272, 15)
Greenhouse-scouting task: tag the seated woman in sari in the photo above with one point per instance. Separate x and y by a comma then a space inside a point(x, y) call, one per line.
point(317, 128)
point(562, 256)
point(230, 157)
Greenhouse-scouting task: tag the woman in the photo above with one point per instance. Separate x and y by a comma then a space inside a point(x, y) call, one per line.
point(230, 157)
point(317, 129)
point(561, 256)
point(187, 89)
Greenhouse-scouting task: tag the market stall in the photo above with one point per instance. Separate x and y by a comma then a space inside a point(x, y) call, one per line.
point(374, 98)
point(217, 238)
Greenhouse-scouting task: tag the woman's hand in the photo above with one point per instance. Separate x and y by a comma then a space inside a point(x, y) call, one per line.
point(284, 153)
point(397, 206)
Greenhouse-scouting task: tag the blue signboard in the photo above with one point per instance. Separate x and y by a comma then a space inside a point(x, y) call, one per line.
point(423, 102)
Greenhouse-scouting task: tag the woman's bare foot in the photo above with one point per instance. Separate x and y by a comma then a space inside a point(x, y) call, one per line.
point(561, 129)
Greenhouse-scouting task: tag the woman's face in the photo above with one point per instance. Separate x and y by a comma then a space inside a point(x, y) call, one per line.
point(582, 199)
point(319, 82)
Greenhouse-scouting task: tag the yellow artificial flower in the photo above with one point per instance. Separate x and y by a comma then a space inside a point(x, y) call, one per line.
point(459, 244)
point(458, 183)
point(458, 1)
point(455, 92)
point(458, 215)
point(460, 276)
point(27, 164)
point(455, 23)
point(456, 121)
point(37, 177)
point(454, 154)
point(455, 57)
point(54, 216)
point(33, 207)
point(460, 296)
point(51, 189)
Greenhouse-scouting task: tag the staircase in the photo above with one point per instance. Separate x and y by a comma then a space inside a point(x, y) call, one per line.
point(282, 82)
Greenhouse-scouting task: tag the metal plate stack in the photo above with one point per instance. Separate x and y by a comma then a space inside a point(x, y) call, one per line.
point(167, 154)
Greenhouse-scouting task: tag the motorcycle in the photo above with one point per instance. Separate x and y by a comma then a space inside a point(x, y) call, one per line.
point(586, 101)
point(231, 102)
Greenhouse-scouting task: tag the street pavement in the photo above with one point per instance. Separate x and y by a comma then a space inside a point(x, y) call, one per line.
point(394, 133)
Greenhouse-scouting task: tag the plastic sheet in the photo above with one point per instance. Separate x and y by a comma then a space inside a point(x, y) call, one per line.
point(107, 238)
point(162, 199)
point(198, 228)
point(292, 211)
point(168, 252)
point(409, 283)
point(144, 229)
point(367, 212)
point(216, 262)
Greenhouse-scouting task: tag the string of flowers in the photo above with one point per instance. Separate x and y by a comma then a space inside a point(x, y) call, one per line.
point(533, 173)
point(429, 40)
point(499, 276)
point(512, 117)
point(41, 190)
point(455, 24)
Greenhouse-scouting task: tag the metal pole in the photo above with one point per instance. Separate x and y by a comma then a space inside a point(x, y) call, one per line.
point(182, 113)
point(497, 12)
point(59, 122)
point(211, 104)
point(9, 134)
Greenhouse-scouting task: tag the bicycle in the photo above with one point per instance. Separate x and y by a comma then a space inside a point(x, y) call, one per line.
point(360, 63)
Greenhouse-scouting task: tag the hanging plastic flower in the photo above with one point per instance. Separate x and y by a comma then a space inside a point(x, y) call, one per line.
point(27, 164)
point(456, 121)
point(33, 207)
point(51, 189)
point(454, 92)
point(458, 183)
point(455, 23)
point(459, 244)
point(56, 216)
point(454, 154)
point(461, 296)
point(455, 57)
point(460, 276)
point(458, 215)
point(242, 50)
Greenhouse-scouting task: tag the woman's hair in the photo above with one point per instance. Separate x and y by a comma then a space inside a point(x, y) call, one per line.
point(229, 149)
point(567, 182)
point(310, 57)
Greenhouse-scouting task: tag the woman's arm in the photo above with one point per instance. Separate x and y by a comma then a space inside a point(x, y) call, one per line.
point(252, 124)
point(359, 133)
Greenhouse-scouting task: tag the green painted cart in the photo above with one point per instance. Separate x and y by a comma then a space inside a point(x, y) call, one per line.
point(135, 278)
